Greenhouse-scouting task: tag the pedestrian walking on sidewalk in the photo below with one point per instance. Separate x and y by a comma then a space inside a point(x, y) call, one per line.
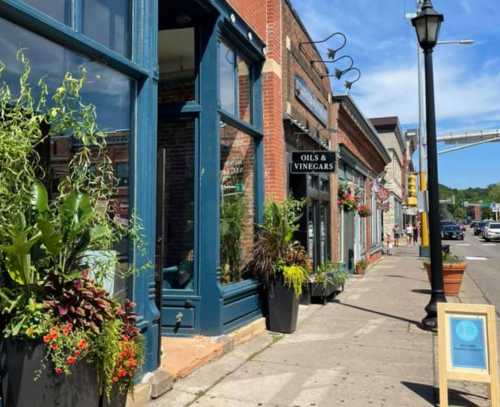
point(396, 234)
point(390, 244)
point(409, 233)
point(415, 234)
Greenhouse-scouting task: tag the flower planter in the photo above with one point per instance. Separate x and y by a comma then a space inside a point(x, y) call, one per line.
point(22, 360)
point(321, 292)
point(360, 270)
point(117, 399)
point(453, 274)
point(283, 308)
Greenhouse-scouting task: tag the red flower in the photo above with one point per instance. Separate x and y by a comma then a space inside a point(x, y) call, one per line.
point(71, 360)
point(122, 373)
point(82, 344)
point(58, 370)
point(54, 346)
point(77, 353)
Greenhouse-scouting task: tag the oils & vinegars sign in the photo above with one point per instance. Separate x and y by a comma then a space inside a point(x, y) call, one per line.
point(307, 162)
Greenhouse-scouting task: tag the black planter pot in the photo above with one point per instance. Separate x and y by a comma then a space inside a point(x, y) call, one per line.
point(21, 360)
point(305, 297)
point(283, 308)
point(117, 399)
point(322, 293)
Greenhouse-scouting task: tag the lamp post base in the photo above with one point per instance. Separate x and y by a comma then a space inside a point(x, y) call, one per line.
point(429, 323)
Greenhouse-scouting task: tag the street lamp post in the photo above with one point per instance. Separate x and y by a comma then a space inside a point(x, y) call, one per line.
point(427, 25)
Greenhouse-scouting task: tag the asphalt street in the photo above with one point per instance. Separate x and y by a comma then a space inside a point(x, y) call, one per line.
point(483, 264)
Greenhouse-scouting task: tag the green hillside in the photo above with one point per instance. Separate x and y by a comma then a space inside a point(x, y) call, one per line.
point(472, 195)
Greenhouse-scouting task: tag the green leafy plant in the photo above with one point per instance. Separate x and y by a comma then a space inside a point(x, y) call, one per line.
point(49, 291)
point(361, 265)
point(329, 274)
point(276, 256)
point(231, 228)
point(294, 276)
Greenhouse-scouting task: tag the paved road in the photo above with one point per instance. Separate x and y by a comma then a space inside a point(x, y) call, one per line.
point(483, 264)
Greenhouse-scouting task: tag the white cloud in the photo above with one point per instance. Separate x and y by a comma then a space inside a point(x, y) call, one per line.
point(459, 97)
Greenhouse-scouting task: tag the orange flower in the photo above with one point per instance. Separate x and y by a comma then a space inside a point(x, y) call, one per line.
point(82, 344)
point(71, 360)
point(46, 339)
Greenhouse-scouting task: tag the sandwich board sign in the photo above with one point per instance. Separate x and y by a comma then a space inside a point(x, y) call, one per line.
point(467, 347)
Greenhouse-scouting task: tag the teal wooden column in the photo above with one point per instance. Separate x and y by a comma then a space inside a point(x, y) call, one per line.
point(143, 164)
point(208, 203)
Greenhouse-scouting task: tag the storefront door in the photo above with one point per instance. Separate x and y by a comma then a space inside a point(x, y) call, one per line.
point(348, 229)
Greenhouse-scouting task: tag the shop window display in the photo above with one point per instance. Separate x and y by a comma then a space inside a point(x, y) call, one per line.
point(237, 202)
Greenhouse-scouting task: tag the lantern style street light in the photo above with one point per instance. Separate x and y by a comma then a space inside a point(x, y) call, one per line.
point(427, 25)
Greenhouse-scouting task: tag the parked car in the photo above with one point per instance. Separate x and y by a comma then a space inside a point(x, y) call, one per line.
point(473, 224)
point(491, 231)
point(452, 232)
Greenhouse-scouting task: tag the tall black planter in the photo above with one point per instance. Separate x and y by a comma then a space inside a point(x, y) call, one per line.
point(283, 308)
point(20, 362)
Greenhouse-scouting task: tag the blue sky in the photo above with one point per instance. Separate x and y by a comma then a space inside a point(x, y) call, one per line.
point(383, 45)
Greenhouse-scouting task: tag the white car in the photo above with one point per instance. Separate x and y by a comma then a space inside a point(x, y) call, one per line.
point(492, 231)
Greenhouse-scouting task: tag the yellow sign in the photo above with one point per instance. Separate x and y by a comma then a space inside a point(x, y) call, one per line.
point(467, 347)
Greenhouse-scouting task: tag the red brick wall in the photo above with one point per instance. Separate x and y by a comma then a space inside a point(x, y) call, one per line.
point(254, 14)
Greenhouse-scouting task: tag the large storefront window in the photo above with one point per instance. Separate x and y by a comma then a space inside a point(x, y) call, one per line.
point(108, 22)
point(235, 94)
point(176, 202)
point(237, 212)
point(109, 91)
point(58, 9)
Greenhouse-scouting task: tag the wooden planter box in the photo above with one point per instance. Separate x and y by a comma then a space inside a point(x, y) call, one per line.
point(453, 274)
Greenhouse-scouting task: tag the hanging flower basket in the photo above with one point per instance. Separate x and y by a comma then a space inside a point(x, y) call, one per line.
point(348, 196)
point(364, 211)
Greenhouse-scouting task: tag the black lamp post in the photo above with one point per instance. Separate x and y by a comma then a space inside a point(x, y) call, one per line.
point(427, 25)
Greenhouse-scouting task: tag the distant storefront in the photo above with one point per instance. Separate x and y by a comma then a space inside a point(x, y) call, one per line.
point(361, 164)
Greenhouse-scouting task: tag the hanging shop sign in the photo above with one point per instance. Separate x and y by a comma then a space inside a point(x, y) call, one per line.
point(467, 347)
point(307, 162)
point(307, 97)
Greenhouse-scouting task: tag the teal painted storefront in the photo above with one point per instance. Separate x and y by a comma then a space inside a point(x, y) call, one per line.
point(123, 77)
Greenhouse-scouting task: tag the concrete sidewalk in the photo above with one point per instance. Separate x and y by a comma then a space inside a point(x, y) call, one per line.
point(364, 350)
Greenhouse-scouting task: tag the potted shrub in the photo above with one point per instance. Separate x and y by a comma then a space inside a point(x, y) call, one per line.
point(453, 273)
point(281, 264)
point(326, 281)
point(66, 341)
point(361, 267)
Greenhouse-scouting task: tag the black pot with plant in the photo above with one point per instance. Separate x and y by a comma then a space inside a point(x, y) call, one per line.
point(326, 281)
point(281, 263)
point(66, 341)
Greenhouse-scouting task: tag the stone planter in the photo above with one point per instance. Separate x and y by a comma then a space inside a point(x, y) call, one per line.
point(453, 274)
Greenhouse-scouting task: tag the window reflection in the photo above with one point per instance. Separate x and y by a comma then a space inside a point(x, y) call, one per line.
point(237, 210)
point(175, 191)
point(58, 9)
point(235, 95)
point(109, 23)
point(227, 70)
point(107, 89)
point(176, 55)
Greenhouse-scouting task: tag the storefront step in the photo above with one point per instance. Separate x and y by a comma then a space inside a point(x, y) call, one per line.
point(181, 356)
